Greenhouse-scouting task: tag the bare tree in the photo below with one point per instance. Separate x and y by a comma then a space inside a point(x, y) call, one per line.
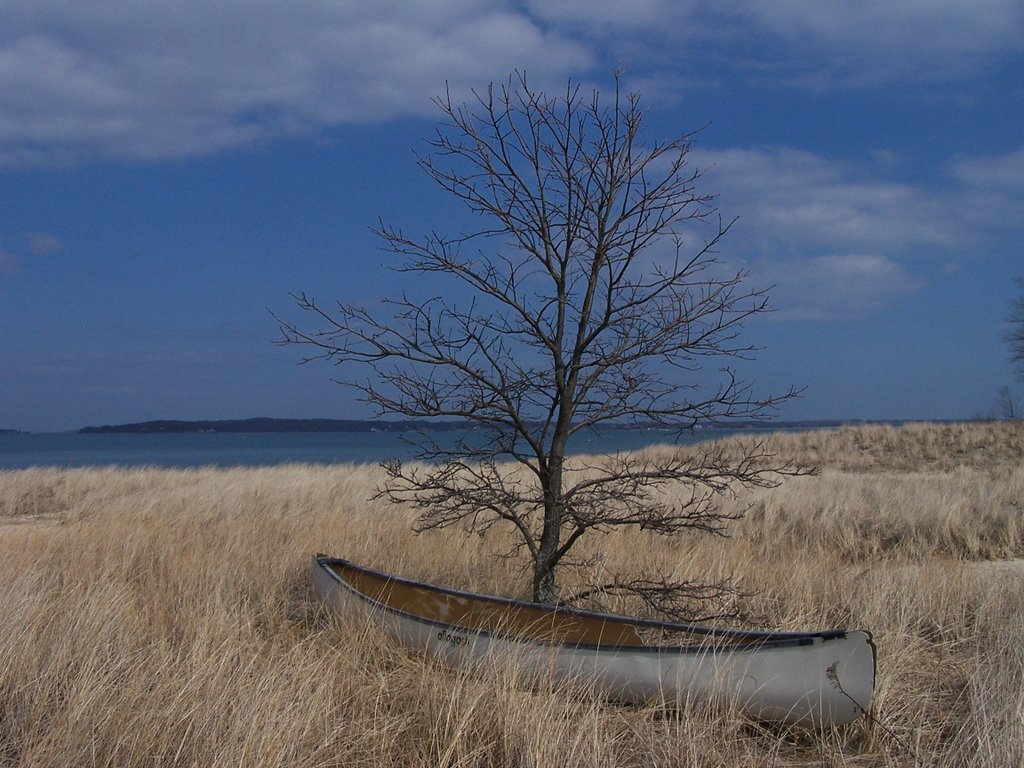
point(1014, 335)
point(578, 303)
point(1006, 406)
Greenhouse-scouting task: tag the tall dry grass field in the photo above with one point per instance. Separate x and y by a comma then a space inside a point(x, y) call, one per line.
point(158, 617)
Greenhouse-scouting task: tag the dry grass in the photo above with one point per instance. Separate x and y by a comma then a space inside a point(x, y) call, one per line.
point(159, 617)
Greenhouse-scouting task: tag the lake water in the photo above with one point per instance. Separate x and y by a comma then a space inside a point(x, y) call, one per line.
point(260, 448)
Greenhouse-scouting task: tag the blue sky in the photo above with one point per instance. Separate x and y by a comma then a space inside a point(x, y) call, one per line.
point(171, 170)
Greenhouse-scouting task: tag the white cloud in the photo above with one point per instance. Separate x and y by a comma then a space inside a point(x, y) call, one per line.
point(145, 80)
point(18, 249)
point(43, 244)
point(839, 238)
point(873, 40)
point(607, 16)
point(119, 78)
point(792, 199)
point(1004, 173)
point(990, 192)
point(836, 284)
point(810, 41)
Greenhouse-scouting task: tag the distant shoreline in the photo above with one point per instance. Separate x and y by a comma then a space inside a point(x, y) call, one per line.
point(255, 425)
point(281, 426)
point(173, 426)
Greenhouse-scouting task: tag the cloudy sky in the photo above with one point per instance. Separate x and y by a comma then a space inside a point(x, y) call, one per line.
point(171, 170)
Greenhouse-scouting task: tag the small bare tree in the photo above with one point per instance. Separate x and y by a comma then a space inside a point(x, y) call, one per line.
point(1006, 406)
point(1014, 335)
point(577, 304)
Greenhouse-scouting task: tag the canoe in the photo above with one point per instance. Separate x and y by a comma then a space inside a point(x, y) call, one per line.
point(803, 678)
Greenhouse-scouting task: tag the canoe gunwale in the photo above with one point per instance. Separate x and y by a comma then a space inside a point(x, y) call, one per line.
point(744, 640)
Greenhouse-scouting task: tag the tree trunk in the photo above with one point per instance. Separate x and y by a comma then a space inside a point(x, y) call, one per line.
point(544, 587)
point(543, 584)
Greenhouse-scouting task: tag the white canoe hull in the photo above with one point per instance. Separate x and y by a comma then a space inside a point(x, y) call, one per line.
point(815, 679)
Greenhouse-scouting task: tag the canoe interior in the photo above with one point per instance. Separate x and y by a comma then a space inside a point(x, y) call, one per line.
point(498, 615)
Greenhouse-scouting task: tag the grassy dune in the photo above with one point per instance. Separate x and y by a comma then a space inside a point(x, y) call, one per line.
point(163, 617)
